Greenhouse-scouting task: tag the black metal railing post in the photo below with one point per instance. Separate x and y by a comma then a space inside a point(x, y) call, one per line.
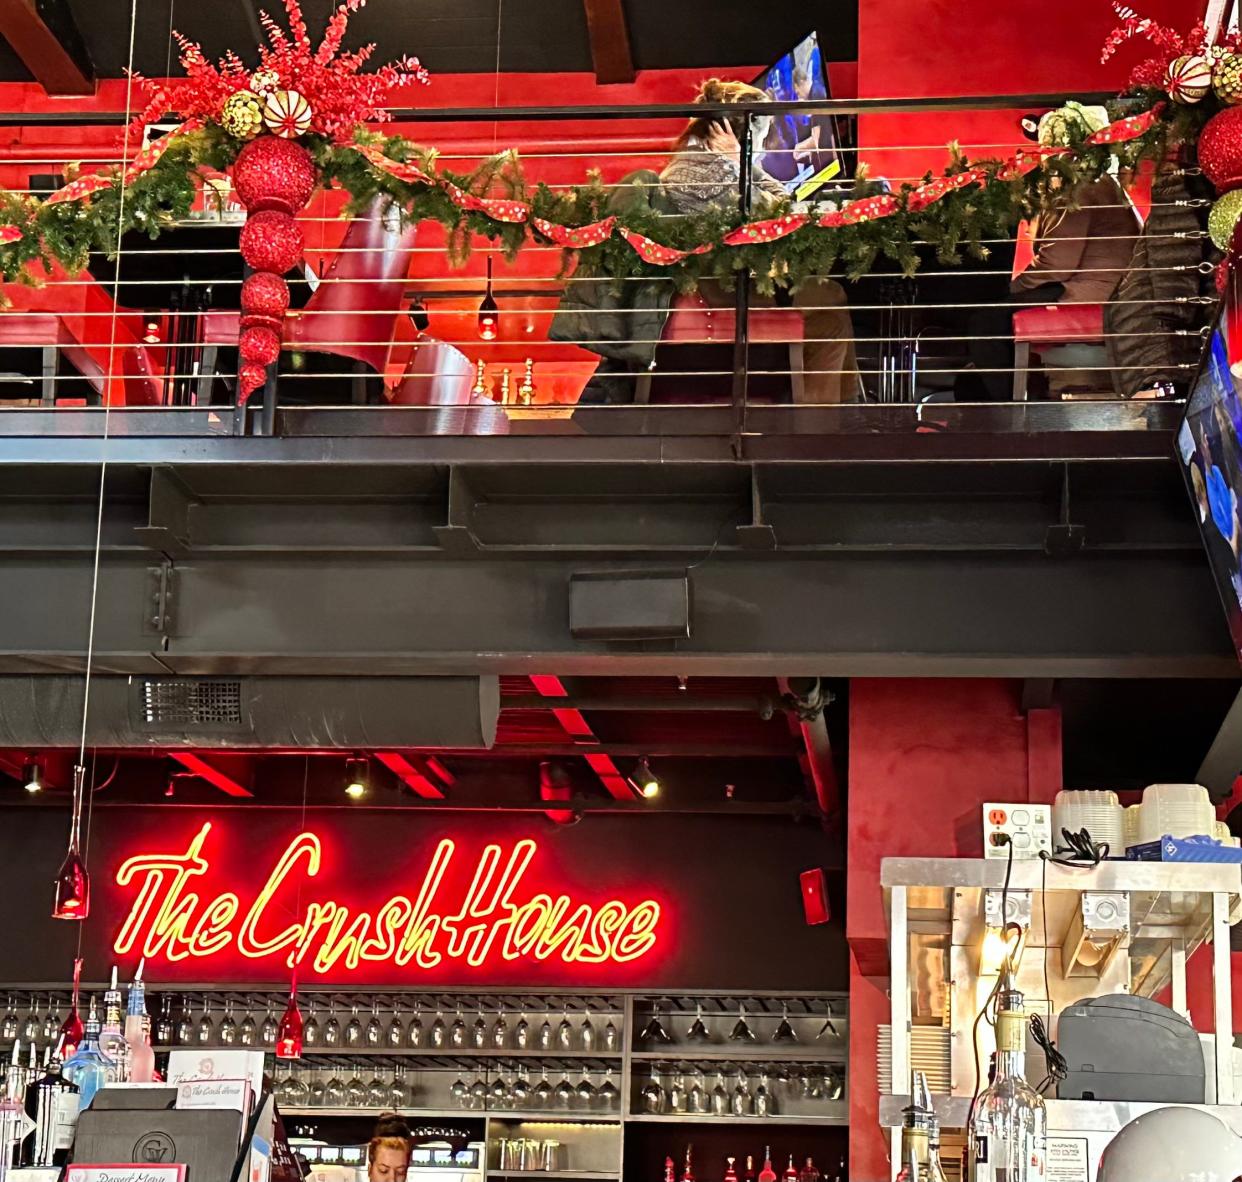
point(741, 302)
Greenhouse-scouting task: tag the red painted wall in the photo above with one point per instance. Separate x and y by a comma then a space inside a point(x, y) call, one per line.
point(924, 755)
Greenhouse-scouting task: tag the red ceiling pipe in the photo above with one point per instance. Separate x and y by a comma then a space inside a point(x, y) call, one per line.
point(554, 784)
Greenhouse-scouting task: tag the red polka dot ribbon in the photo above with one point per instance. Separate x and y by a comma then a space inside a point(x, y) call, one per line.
point(1129, 128)
point(494, 207)
point(765, 231)
point(933, 191)
point(403, 170)
point(1024, 161)
point(150, 155)
point(651, 251)
point(575, 237)
point(869, 209)
point(10, 233)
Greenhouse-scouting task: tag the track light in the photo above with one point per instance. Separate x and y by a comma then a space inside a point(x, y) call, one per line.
point(489, 310)
point(32, 776)
point(645, 782)
point(357, 778)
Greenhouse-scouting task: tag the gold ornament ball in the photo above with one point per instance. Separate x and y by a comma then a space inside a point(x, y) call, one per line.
point(242, 115)
point(262, 81)
point(1223, 217)
point(286, 113)
point(1227, 79)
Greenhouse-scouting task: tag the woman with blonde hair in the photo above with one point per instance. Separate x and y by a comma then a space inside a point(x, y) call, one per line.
point(705, 173)
point(388, 1153)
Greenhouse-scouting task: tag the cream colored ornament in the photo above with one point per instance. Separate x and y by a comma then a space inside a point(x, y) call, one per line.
point(286, 113)
point(1188, 79)
point(264, 81)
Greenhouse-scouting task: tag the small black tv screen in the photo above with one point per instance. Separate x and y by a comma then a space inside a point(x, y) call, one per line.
point(1211, 459)
point(800, 151)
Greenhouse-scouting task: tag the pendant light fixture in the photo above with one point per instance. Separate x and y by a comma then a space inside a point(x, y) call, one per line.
point(489, 310)
point(73, 884)
point(71, 1029)
point(289, 1034)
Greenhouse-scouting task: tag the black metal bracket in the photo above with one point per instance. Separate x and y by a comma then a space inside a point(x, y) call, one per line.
point(169, 503)
point(1064, 538)
point(757, 535)
point(456, 536)
point(161, 588)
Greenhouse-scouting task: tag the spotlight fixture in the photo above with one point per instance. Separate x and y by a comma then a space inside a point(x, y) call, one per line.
point(644, 780)
point(419, 318)
point(32, 776)
point(489, 310)
point(151, 331)
point(73, 884)
point(357, 778)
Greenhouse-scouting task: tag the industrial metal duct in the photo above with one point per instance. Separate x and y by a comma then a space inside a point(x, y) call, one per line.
point(39, 712)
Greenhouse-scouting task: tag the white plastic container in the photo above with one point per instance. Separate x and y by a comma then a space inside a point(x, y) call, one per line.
point(1099, 813)
point(1130, 824)
point(1180, 810)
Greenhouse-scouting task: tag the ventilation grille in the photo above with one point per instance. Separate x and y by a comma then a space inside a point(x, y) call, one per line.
point(184, 702)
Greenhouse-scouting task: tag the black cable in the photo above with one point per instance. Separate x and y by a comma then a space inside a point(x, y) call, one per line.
point(1080, 851)
point(983, 1009)
point(1058, 1068)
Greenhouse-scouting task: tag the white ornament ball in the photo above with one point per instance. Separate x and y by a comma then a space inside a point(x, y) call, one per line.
point(286, 113)
point(1188, 79)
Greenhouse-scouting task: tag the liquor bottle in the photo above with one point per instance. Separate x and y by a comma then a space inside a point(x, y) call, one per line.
point(506, 381)
point(140, 1056)
point(1008, 1131)
point(526, 391)
point(791, 1171)
point(687, 1173)
point(843, 1173)
point(112, 1035)
point(730, 1175)
point(670, 1170)
point(52, 1103)
point(89, 1068)
point(915, 1126)
point(809, 1173)
point(767, 1174)
point(480, 378)
point(750, 1169)
point(164, 1027)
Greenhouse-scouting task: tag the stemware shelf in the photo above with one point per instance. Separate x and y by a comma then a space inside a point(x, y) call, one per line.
point(753, 1053)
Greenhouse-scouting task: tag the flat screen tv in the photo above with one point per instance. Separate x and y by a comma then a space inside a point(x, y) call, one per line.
point(800, 151)
point(1211, 458)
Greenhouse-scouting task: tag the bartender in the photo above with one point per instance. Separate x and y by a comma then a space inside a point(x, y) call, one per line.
point(388, 1154)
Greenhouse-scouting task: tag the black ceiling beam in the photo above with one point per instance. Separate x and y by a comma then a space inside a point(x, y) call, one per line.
point(44, 34)
point(610, 41)
point(1223, 762)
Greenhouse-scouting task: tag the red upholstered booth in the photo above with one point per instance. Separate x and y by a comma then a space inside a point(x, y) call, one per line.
point(48, 332)
point(1054, 324)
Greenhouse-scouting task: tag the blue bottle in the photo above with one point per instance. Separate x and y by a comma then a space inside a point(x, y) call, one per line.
point(88, 1067)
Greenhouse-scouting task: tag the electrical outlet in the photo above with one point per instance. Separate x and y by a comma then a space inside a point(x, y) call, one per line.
point(1027, 826)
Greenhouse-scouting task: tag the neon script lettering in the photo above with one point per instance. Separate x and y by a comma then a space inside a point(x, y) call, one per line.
point(492, 920)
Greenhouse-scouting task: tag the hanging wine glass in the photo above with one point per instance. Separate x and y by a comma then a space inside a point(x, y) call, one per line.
point(9, 1029)
point(478, 1092)
point(784, 1032)
point(611, 1038)
point(33, 1023)
point(438, 1032)
point(698, 1031)
point(184, 1032)
point(414, 1031)
point(520, 1091)
point(318, 1090)
point(228, 1027)
point(835, 1087)
point(332, 1027)
point(399, 1095)
point(586, 1033)
point(51, 1020)
point(248, 1033)
point(299, 1090)
point(609, 1096)
point(743, 1103)
point(565, 1032)
point(355, 1091)
point(720, 1096)
point(763, 1098)
point(564, 1092)
point(271, 1027)
point(459, 1090)
point(204, 1030)
point(478, 1032)
point(652, 1095)
point(545, 1035)
point(500, 1031)
point(377, 1091)
point(586, 1090)
point(374, 1033)
point(677, 1094)
point(741, 1030)
point(828, 1027)
point(311, 1030)
point(543, 1090)
point(353, 1032)
point(499, 1090)
point(395, 1031)
point(696, 1097)
point(654, 1030)
point(521, 1034)
point(335, 1095)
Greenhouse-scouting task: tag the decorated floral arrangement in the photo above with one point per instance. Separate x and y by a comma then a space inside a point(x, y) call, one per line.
point(298, 119)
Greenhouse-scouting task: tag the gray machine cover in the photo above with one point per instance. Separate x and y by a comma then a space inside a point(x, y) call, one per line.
point(1120, 1047)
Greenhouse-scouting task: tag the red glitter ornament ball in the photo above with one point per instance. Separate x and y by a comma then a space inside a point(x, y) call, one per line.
point(1220, 149)
point(272, 241)
point(259, 346)
point(1222, 276)
point(274, 173)
point(265, 294)
point(250, 377)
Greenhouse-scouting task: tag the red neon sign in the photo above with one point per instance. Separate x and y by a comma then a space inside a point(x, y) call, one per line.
point(436, 924)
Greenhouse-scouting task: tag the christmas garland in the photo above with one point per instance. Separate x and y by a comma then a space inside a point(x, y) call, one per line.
point(298, 121)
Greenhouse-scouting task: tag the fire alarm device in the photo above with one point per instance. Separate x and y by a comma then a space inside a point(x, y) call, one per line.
point(1028, 827)
point(814, 896)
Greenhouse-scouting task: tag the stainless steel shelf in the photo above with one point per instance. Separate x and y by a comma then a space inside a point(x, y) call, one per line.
point(453, 1053)
point(758, 1054)
point(585, 1175)
point(698, 1118)
point(547, 1115)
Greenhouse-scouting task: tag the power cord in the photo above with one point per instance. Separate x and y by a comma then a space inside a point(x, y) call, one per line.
point(1080, 851)
point(991, 998)
point(1058, 1068)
